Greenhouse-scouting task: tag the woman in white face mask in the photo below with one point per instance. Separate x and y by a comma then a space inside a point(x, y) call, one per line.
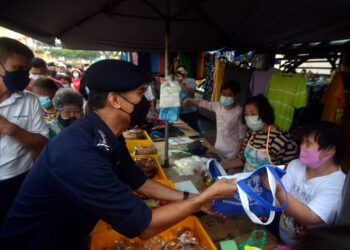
point(264, 143)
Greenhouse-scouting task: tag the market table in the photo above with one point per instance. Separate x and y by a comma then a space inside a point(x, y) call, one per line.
point(237, 228)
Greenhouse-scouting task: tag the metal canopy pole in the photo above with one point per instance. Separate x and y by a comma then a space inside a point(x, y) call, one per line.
point(166, 130)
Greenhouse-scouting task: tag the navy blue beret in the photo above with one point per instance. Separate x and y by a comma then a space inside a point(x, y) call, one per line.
point(115, 75)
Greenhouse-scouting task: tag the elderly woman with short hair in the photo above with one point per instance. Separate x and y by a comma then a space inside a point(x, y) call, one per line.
point(69, 105)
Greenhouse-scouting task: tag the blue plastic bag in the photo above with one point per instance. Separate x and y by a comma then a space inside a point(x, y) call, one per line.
point(252, 199)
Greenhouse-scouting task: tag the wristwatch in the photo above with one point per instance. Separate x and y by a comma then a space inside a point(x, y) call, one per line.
point(186, 195)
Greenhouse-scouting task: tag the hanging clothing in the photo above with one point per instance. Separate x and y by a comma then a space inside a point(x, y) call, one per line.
point(286, 92)
point(124, 56)
point(260, 79)
point(278, 144)
point(200, 65)
point(346, 127)
point(145, 61)
point(134, 58)
point(218, 79)
point(186, 59)
point(333, 98)
point(208, 83)
point(243, 76)
point(162, 63)
point(155, 62)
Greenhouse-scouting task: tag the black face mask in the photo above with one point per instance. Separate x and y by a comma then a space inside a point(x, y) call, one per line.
point(65, 122)
point(15, 80)
point(138, 115)
point(52, 73)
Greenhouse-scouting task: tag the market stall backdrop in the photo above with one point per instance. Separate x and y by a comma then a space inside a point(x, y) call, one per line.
point(195, 25)
point(192, 25)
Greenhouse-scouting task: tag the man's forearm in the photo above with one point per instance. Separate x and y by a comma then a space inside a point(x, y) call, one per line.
point(171, 214)
point(31, 141)
point(155, 190)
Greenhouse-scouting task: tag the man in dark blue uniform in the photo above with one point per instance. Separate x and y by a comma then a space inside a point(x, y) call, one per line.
point(86, 173)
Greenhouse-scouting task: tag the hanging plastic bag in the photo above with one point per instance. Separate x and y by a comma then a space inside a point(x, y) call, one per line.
point(254, 240)
point(169, 101)
point(169, 94)
point(169, 114)
point(251, 198)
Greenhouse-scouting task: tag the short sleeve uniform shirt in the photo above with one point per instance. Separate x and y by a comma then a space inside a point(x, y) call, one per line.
point(83, 174)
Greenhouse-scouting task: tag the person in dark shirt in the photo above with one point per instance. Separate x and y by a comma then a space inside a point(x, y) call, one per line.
point(86, 173)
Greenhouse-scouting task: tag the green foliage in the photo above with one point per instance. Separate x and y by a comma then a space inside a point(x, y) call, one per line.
point(75, 54)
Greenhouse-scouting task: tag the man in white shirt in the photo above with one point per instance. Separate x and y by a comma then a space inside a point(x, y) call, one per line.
point(150, 97)
point(23, 132)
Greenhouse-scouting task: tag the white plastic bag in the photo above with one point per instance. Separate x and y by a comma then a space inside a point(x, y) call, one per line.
point(169, 94)
point(189, 165)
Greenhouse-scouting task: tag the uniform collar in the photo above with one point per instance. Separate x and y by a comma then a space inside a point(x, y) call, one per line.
point(105, 140)
point(12, 99)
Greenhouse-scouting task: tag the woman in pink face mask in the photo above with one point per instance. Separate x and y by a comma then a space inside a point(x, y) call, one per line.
point(314, 182)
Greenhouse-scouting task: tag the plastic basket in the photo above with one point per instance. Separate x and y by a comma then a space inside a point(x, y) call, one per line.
point(107, 239)
point(137, 142)
point(100, 226)
point(160, 174)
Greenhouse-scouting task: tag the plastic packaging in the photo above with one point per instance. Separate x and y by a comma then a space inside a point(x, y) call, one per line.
point(148, 166)
point(145, 150)
point(256, 239)
point(189, 165)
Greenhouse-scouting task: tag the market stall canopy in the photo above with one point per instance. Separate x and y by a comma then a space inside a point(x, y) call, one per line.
point(195, 25)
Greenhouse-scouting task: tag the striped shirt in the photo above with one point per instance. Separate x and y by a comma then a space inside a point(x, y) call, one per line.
point(282, 149)
point(286, 92)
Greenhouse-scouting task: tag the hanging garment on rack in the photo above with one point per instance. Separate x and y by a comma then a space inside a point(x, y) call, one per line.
point(124, 56)
point(243, 76)
point(134, 58)
point(345, 164)
point(208, 83)
point(155, 62)
point(187, 60)
point(286, 92)
point(333, 98)
point(145, 61)
point(162, 63)
point(200, 65)
point(260, 79)
point(218, 79)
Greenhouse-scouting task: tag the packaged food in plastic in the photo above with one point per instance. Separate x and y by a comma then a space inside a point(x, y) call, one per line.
point(156, 242)
point(145, 150)
point(129, 135)
point(148, 166)
point(139, 133)
point(129, 244)
point(174, 245)
point(187, 236)
point(189, 165)
point(134, 134)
